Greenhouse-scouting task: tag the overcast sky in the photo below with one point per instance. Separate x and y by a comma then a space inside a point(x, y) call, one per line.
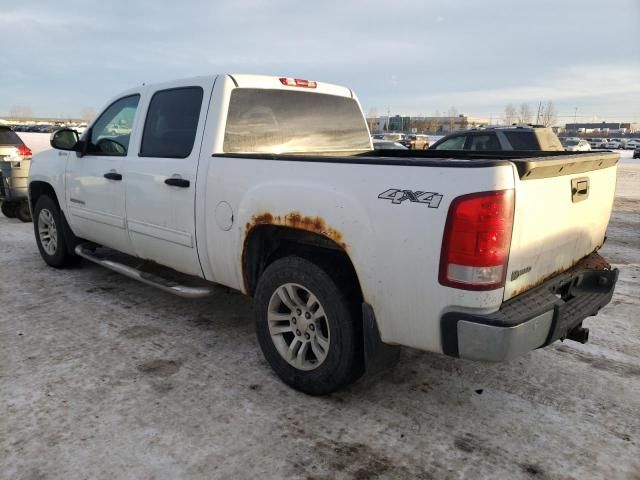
point(412, 57)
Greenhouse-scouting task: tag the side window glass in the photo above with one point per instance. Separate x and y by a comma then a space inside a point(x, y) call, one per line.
point(172, 121)
point(111, 132)
point(522, 140)
point(484, 142)
point(453, 143)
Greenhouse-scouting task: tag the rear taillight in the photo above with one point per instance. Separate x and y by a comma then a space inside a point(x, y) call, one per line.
point(298, 82)
point(477, 237)
point(24, 151)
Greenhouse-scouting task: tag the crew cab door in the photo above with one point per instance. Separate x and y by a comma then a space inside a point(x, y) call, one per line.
point(95, 181)
point(161, 179)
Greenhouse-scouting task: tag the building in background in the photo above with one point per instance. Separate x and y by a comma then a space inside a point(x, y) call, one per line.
point(603, 127)
point(443, 124)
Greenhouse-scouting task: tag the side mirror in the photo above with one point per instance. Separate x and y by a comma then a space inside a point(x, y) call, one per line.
point(64, 139)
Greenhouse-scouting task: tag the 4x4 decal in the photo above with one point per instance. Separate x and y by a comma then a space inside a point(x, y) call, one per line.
point(398, 196)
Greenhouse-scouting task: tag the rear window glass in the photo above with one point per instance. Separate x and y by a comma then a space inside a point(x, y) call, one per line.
point(522, 140)
point(172, 121)
point(9, 137)
point(282, 121)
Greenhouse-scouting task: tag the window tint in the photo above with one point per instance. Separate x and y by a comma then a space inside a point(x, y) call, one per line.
point(9, 137)
point(453, 143)
point(172, 121)
point(484, 142)
point(283, 121)
point(111, 132)
point(522, 140)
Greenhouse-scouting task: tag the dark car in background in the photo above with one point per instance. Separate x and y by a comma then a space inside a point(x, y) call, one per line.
point(530, 138)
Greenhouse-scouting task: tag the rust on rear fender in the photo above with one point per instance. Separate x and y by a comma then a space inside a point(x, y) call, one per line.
point(294, 220)
point(298, 221)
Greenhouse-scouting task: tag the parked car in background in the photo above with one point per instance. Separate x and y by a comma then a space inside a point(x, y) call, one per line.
point(598, 142)
point(632, 144)
point(577, 145)
point(636, 153)
point(15, 158)
point(386, 145)
point(614, 144)
point(390, 137)
point(416, 142)
point(528, 138)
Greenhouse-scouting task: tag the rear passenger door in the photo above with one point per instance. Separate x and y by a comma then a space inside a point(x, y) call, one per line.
point(161, 179)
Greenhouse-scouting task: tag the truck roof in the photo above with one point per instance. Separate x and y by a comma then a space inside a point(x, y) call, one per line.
point(243, 80)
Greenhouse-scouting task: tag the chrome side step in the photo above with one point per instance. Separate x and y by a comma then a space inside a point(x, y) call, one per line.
point(144, 277)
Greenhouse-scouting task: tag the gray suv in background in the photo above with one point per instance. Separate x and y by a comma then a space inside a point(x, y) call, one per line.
point(529, 137)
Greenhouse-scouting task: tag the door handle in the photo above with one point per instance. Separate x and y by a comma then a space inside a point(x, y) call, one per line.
point(177, 182)
point(113, 176)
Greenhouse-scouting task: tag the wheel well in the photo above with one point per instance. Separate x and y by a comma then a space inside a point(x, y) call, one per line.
point(265, 244)
point(37, 189)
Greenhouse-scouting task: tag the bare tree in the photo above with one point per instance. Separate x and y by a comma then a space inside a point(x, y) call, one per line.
point(524, 115)
point(510, 114)
point(549, 115)
point(433, 123)
point(452, 115)
point(21, 111)
point(87, 113)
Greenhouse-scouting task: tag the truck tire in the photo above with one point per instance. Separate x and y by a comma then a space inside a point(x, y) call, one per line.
point(9, 209)
point(49, 229)
point(305, 326)
point(22, 212)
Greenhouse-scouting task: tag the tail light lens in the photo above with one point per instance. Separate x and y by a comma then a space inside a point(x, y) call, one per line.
point(24, 151)
point(476, 242)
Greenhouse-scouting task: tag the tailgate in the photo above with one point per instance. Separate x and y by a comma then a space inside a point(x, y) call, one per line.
point(561, 215)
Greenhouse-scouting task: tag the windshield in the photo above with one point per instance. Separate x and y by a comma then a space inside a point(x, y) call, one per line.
point(571, 143)
point(282, 121)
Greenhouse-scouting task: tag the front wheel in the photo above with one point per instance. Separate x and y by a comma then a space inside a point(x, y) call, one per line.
point(306, 326)
point(50, 239)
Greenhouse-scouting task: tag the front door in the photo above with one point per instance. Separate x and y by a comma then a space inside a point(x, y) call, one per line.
point(161, 179)
point(95, 188)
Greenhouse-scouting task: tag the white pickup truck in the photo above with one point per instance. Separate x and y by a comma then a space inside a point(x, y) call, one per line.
point(270, 186)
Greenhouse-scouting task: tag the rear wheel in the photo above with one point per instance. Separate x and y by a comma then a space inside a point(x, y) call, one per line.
point(9, 209)
point(22, 212)
point(48, 227)
point(305, 326)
